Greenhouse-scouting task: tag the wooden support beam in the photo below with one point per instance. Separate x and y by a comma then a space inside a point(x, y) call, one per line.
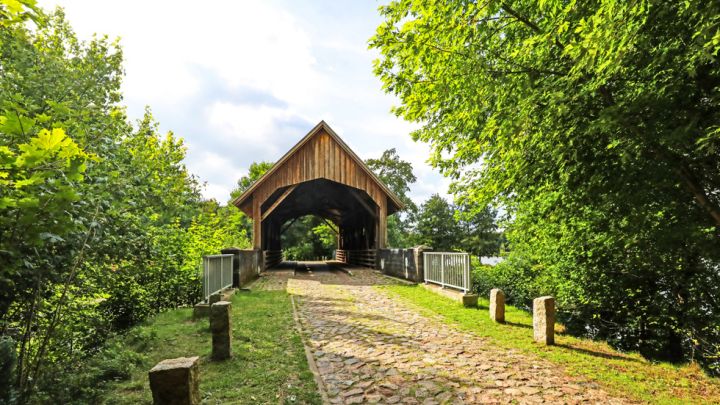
point(277, 202)
point(331, 225)
point(285, 228)
point(382, 225)
point(257, 224)
point(362, 202)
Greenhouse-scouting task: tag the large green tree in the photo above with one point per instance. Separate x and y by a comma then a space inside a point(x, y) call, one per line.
point(436, 226)
point(100, 222)
point(479, 233)
point(398, 175)
point(594, 125)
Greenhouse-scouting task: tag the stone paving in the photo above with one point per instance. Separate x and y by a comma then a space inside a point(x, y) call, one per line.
point(371, 348)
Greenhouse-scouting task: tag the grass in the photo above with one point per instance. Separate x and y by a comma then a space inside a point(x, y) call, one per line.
point(268, 363)
point(622, 374)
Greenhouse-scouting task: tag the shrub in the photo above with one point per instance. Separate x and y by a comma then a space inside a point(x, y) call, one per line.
point(7, 369)
point(515, 276)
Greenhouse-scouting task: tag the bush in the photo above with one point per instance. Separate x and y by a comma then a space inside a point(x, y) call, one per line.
point(7, 369)
point(514, 276)
point(85, 382)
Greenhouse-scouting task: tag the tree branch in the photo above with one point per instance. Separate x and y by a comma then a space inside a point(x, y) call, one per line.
point(506, 7)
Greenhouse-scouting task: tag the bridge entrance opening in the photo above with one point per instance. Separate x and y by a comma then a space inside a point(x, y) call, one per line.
point(321, 177)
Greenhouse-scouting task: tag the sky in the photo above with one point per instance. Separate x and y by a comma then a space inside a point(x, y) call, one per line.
point(243, 81)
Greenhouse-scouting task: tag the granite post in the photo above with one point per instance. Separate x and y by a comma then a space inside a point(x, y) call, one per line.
point(175, 382)
point(544, 320)
point(221, 329)
point(497, 305)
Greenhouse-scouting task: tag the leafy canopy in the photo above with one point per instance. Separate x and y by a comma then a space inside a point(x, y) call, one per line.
point(593, 125)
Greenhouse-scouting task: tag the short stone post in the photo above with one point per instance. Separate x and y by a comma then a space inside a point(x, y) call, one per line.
point(217, 297)
point(497, 305)
point(175, 381)
point(221, 330)
point(544, 320)
point(470, 300)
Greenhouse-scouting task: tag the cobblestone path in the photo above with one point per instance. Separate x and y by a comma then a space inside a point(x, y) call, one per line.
point(371, 348)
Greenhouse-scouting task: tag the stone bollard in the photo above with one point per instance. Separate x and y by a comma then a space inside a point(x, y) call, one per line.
point(217, 297)
point(544, 320)
point(497, 305)
point(221, 330)
point(175, 381)
point(470, 300)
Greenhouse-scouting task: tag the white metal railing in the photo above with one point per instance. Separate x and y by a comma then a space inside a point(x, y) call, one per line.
point(217, 274)
point(448, 269)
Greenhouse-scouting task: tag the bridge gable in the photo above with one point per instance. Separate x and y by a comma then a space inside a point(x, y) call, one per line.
point(321, 154)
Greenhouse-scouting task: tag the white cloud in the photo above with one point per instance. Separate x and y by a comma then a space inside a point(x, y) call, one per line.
point(249, 43)
point(246, 123)
point(243, 81)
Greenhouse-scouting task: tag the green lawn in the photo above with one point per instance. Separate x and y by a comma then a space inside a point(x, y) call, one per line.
point(268, 364)
point(624, 374)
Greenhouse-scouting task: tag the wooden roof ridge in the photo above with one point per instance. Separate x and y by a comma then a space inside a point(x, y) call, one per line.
point(238, 201)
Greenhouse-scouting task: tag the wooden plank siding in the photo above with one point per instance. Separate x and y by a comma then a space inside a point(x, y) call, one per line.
point(321, 154)
point(326, 164)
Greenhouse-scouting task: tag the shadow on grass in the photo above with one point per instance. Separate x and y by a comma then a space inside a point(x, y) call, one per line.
point(518, 325)
point(602, 355)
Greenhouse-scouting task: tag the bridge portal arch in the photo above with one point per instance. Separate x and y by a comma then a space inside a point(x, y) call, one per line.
point(321, 176)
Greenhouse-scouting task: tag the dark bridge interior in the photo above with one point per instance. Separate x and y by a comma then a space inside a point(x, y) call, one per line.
point(351, 210)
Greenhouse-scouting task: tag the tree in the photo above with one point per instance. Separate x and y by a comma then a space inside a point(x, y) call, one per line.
point(257, 169)
point(309, 238)
point(479, 234)
point(593, 124)
point(397, 174)
point(436, 226)
point(100, 221)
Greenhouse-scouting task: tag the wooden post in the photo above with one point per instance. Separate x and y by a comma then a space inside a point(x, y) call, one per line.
point(257, 224)
point(175, 381)
point(382, 222)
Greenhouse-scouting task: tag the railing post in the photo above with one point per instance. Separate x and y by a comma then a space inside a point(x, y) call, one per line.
point(442, 270)
point(467, 273)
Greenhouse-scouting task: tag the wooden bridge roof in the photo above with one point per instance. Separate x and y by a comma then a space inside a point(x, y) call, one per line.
point(321, 154)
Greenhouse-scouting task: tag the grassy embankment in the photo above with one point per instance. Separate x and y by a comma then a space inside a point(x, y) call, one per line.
point(623, 374)
point(268, 363)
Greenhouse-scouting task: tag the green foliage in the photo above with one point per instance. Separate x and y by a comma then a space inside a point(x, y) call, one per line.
point(257, 169)
point(446, 227)
point(16, 11)
point(8, 358)
point(309, 238)
point(593, 126)
point(479, 234)
point(518, 280)
point(397, 175)
point(101, 225)
point(436, 226)
point(115, 361)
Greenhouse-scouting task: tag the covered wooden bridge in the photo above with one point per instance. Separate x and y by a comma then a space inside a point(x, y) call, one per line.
point(321, 176)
